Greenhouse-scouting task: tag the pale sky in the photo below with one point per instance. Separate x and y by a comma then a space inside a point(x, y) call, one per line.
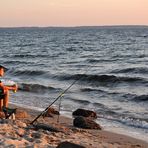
point(18, 13)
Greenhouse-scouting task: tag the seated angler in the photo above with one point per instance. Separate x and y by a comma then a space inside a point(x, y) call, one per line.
point(4, 90)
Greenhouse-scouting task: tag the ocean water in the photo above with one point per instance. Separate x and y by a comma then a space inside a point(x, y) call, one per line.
point(112, 63)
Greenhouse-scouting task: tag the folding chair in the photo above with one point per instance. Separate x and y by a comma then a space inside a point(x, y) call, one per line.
point(9, 112)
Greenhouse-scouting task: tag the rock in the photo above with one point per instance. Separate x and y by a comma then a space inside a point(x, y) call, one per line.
point(86, 123)
point(45, 127)
point(85, 113)
point(36, 135)
point(51, 111)
point(67, 144)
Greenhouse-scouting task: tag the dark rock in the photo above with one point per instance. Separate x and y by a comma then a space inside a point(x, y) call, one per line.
point(85, 113)
point(50, 112)
point(45, 127)
point(36, 135)
point(69, 145)
point(86, 123)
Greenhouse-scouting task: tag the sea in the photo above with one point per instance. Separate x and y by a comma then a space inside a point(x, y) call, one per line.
point(106, 68)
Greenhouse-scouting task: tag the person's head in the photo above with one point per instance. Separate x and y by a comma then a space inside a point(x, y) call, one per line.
point(2, 70)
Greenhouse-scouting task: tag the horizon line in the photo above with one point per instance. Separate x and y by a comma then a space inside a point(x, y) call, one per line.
point(73, 26)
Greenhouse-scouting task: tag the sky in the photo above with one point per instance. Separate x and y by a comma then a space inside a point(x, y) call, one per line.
point(21, 13)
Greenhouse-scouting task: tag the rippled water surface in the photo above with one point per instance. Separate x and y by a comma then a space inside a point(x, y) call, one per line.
point(112, 63)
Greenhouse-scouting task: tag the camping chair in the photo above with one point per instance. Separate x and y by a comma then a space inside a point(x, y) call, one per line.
point(7, 111)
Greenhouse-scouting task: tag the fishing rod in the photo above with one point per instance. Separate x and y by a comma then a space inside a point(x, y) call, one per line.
point(44, 111)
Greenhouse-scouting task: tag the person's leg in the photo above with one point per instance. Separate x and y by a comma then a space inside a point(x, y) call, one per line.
point(1, 104)
point(6, 99)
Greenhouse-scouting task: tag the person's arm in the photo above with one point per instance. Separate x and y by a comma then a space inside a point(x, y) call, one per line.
point(14, 87)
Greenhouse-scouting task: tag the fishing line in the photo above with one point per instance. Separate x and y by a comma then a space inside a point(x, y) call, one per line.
point(62, 93)
point(59, 109)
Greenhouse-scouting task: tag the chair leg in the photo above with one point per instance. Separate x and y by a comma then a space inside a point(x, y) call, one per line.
point(9, 112)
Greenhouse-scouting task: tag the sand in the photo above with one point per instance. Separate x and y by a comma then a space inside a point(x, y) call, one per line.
point(48, 132)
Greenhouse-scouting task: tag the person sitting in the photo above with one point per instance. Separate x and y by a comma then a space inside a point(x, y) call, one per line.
point(4, 90)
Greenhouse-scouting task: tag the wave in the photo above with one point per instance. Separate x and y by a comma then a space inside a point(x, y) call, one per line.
point(91, 89)
point(27, 72)
point(103, 79)
point(94, 60)
point(35, 88)
point(128, 96)
point(24, 45)
point(111, 114)
point(141, 98)
point(16, 62)
point(140, 70)
point(127, 120)
point(100, 60)
point(99, 105)
point(28, 56)
point(142, 36)
point(84, 102)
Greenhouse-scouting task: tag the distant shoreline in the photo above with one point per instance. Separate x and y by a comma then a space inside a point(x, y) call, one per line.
point(101, 26)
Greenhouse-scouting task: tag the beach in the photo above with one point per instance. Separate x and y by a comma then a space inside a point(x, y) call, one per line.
point(107, 65)
point(86, 60)
point(20, 133)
